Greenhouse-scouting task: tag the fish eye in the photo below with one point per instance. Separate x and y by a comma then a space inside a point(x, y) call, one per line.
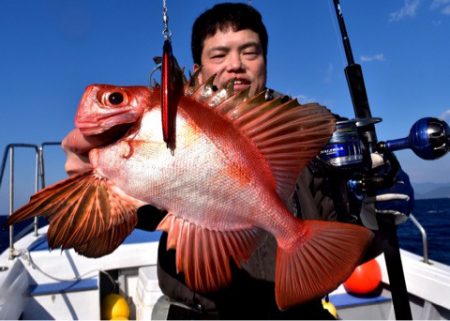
point(115, 98)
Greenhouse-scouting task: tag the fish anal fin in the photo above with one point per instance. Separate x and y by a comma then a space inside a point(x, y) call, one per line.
point(324, 256)
point(203, 255)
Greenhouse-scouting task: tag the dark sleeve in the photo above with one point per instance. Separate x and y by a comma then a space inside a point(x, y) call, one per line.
point(312, 199)
point(149, 217)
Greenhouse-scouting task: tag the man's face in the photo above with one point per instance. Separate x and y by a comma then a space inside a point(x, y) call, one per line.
point(234, 54)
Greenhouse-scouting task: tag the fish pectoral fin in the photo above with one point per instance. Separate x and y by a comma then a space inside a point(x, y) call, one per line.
point(323, 257)
point(108, 241)
point(203, 255)
point(80, 209)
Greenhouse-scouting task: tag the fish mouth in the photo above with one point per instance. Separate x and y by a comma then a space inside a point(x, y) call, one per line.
point(94, 125)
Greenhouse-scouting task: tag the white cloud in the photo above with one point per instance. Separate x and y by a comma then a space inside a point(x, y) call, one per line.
point(377, 57)
point(303, 99)
point(329, 74)
point(438, 3)
point(442, 5)
point(445, 115)
point(408, 10)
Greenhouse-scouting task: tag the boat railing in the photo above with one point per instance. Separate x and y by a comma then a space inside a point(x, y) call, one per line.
point(423, 233)
point(39, 183)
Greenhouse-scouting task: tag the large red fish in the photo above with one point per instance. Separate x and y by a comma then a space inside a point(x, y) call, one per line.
point(224, 186)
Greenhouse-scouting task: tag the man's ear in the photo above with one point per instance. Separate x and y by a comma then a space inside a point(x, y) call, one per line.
point(195, 68)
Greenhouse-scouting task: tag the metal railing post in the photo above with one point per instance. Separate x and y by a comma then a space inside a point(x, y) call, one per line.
point(11, 200)
point(36, 186)
point(424, 238)
point(39, 184)
point(10, 150)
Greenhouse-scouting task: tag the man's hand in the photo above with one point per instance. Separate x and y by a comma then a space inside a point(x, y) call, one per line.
point(77, 147)
point(397, 200)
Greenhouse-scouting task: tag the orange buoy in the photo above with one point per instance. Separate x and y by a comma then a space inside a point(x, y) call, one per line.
point(365, 279)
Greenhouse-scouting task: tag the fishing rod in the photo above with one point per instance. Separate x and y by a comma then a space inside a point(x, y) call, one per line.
point(350, 149)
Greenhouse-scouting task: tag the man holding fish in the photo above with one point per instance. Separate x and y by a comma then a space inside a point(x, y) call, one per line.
point(247, 257)
point(230, 41)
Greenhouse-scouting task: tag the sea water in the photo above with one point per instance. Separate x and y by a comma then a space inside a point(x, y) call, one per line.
point(434, 216)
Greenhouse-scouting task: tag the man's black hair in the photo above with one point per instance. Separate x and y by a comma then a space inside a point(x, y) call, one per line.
point(238, 16)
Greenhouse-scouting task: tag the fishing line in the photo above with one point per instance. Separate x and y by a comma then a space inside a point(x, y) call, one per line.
point(166, 31)
point(167, 34)
point(336, 32)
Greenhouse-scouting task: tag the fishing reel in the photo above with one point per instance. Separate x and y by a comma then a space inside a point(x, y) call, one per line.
point(346, 154)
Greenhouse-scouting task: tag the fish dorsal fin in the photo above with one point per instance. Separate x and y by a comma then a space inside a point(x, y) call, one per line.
point(289, 135)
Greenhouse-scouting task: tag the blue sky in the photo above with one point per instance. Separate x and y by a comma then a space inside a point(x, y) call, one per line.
point(52, 49)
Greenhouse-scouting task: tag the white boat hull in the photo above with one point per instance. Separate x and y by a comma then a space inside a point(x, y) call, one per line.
point(39, 284)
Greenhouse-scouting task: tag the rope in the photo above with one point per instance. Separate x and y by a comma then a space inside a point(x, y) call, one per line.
point(26, 256)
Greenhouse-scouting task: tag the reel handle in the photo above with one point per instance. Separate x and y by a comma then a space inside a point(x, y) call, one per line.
point(429, 138)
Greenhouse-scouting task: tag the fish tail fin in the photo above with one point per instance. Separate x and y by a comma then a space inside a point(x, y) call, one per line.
point(322, 257)
point(81, 209)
